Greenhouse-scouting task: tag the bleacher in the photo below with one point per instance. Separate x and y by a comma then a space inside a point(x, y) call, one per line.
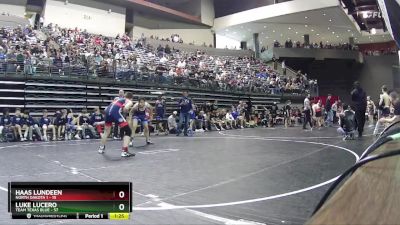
point(39, 92)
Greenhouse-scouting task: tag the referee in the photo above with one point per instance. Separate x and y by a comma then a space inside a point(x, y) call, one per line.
point(359, 98)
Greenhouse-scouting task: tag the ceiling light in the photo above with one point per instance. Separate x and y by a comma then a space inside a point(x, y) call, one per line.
point(306, 25)
point(266, 37)
point(273, 31)
point(324, 14)
point(337, 36)
point(305, 17)
point(373, 31)
point(333, 32)
point(265, 26)
point(281, 35)
point(297, 32)
point(317, 34)
point(348, 30)
point(352, 35)
point(262, 32)
point(289, 28)
point(312, 30)
point(330, 20)
point(329, 28)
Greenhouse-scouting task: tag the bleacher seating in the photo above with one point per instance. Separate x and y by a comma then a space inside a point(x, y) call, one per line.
point(55, 93)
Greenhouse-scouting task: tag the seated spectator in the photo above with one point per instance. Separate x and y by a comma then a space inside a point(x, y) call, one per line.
point(97, 120)
point(172, 124)
point(46, 123)
point(59, 123)
point(230, 121)
point(17, 122)
point(6, 124)
point(84, 125)
point(201, 120)
point(71, 126)
point(347, 123)
point(31, 125)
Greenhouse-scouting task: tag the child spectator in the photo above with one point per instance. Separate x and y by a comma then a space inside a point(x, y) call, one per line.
point(46, 123)
point(84, 124)
point(5, 123)
point(347, 123)
point(17, 122)
point(97, 120)
point(31, 125)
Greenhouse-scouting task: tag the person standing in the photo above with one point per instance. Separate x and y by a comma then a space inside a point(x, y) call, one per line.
point(284, 67)
point(371, 109)
point(141, 113)
point(121, 94)
point(329, 112)
point(186, 106)
point(384, 108)
point(160, 108)
point(287, 112)
point(114, 115)
point(307, 112)
point(334, 112)
point(359, 98)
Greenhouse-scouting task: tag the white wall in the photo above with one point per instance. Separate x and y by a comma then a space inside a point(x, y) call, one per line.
point(199, 36)
point(223, 42)
point(13, 7)
point(270, 11)
point(207, 12)
point(89, 15)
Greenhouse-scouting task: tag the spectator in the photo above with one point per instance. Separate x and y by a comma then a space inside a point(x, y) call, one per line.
point(328, 110)
point(307, 112)
point(46, 123)
point(172, 125)
point(186, 106)
point(17, 122)
point(31, 125)
point(97, 120)
point(371, 109)
point(347, 123)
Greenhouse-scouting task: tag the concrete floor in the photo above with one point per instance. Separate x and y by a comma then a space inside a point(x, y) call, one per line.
point(250, 176)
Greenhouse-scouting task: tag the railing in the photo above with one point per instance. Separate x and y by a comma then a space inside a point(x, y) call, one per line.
point(130, 72)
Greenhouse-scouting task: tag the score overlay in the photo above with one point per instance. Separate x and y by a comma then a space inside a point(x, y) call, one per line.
point(70, 200)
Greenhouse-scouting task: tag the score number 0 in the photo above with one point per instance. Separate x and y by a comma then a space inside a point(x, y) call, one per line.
point(121, 195)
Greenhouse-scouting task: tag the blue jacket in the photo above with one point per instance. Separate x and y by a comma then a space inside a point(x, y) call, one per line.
point(30, 121)
point(45, 121)
point(5, 120)
point(17, 120)
point(185, 104)
point(96, 118)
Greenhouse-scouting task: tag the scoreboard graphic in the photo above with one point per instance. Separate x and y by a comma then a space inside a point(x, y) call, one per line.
point(70, 200)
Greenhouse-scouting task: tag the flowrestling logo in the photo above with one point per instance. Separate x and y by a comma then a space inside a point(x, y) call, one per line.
point(369, 14)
